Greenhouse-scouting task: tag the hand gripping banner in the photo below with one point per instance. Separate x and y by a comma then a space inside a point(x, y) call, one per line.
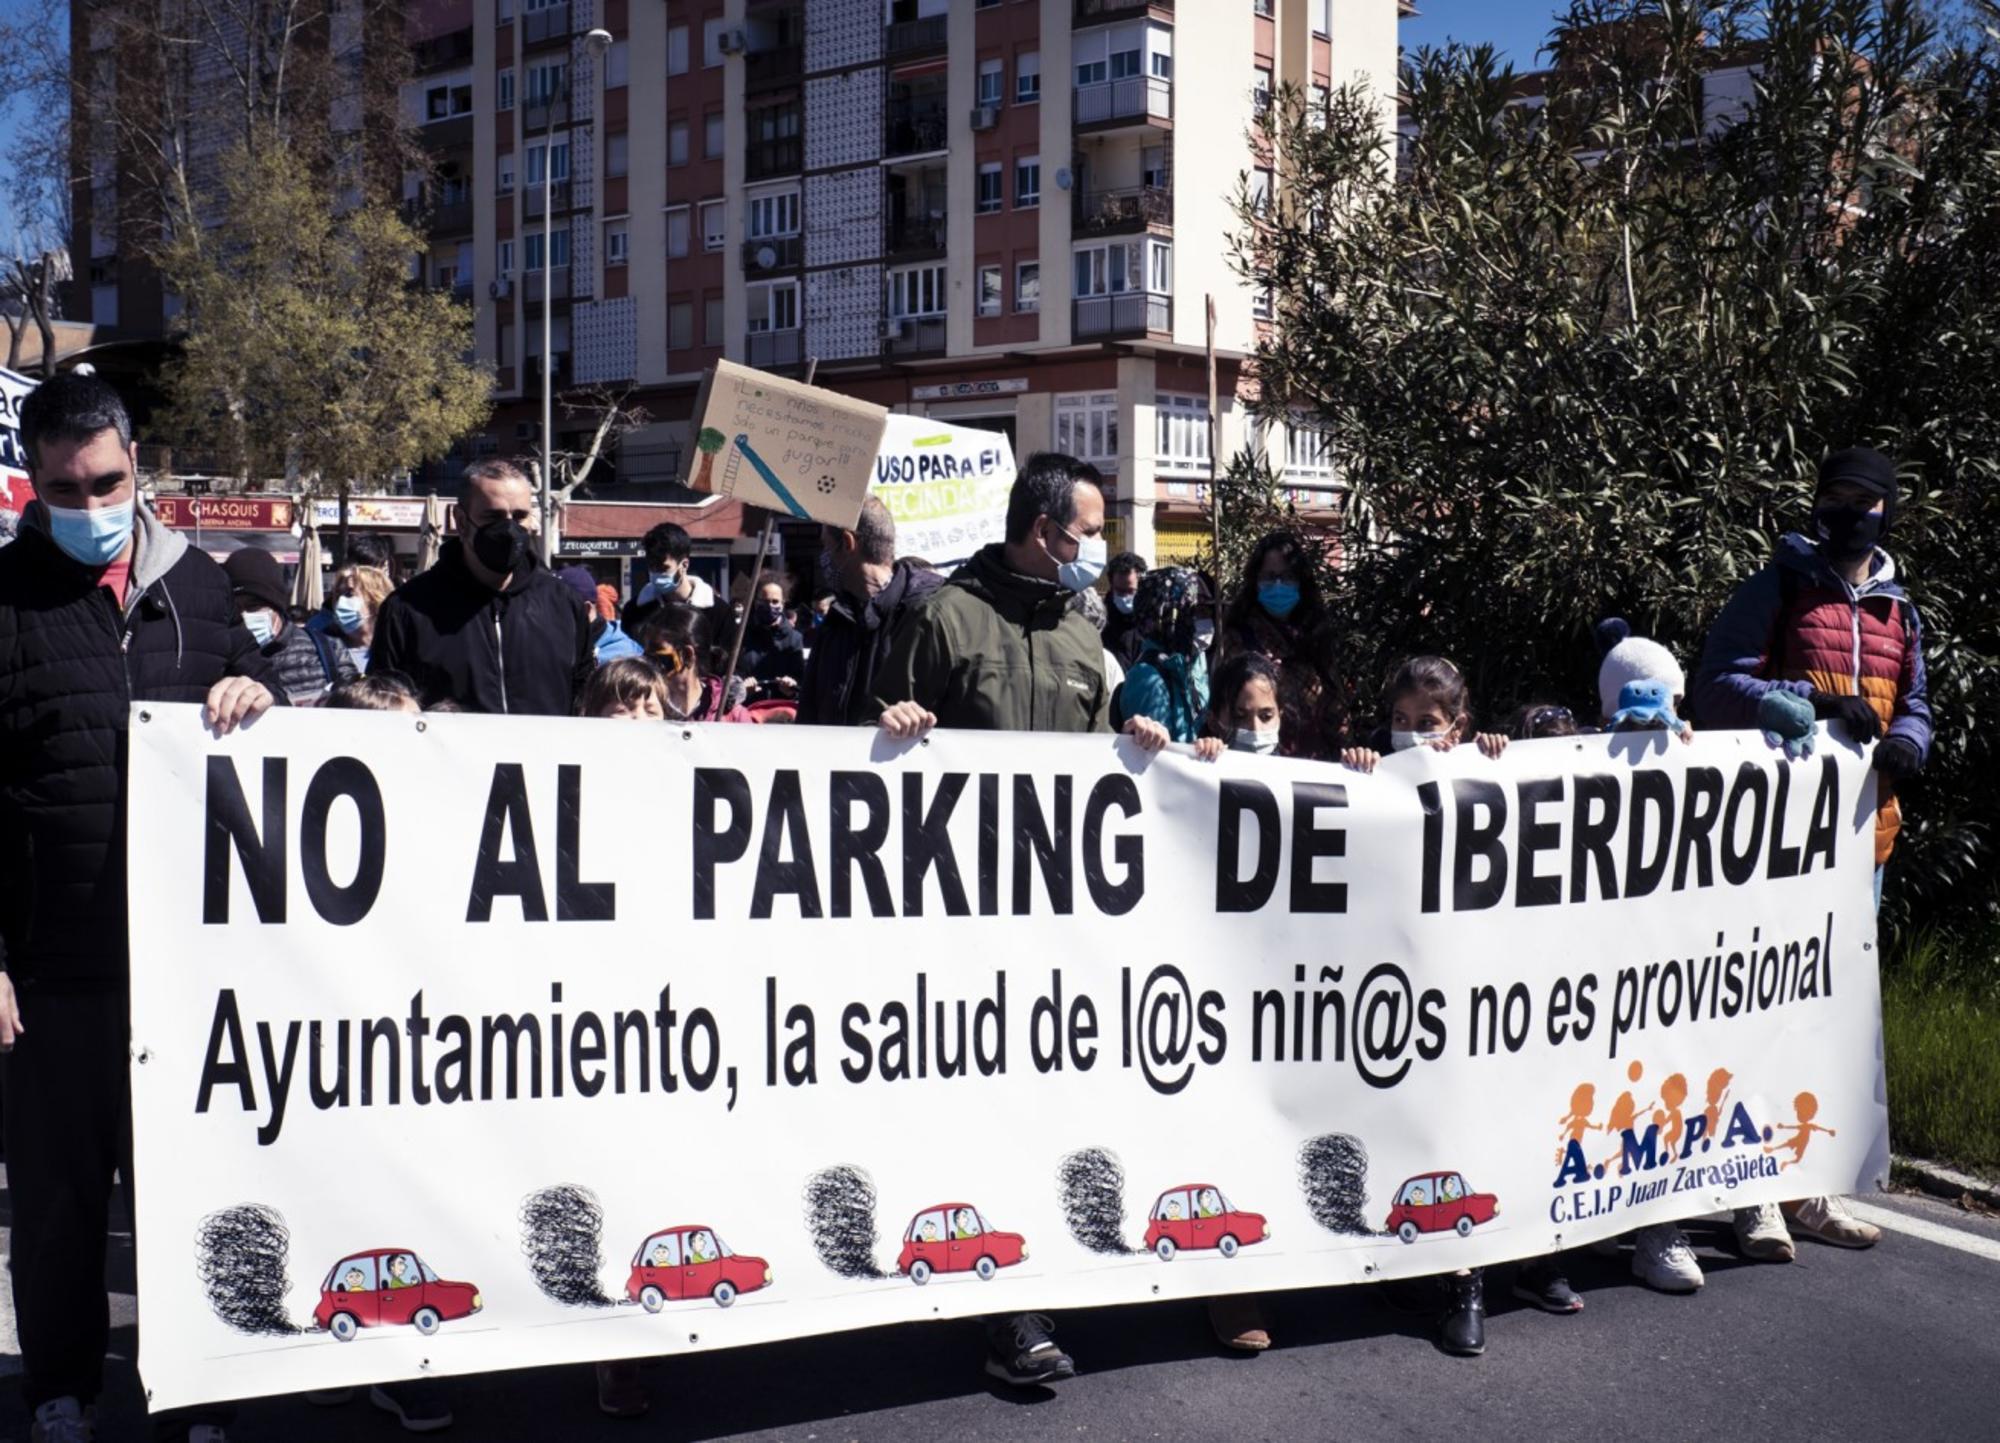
point(465, 1043)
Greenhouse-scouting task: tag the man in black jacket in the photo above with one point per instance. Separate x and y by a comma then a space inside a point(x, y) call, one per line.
point(100, 606)
point(489, 627)
point(872, 590)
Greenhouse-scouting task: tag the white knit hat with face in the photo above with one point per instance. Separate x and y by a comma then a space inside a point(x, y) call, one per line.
point(1636, 658)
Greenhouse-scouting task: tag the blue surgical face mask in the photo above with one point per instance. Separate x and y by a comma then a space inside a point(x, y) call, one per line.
point(666, 580)
point(347, 611)
point(1082, 573)
point(1280, 598)
point(261, 625)
point(1123, 601)
point(93, 537)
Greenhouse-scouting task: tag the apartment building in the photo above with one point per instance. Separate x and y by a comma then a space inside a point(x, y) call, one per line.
point(1006, 212)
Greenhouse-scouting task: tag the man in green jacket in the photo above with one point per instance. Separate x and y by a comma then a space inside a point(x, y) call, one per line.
point(1000, 648)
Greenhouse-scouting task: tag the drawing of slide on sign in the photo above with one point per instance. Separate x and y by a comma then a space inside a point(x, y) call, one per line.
point(785, 446)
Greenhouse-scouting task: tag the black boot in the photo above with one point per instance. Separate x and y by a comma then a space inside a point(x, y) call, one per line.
point(1462, 1329)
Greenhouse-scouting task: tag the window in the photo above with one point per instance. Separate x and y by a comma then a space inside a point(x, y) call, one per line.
point(1087, 425)
point(1153, 167)
point(505, 13)
point(992, 76)
point(677, 50)
point(443, 102)
point(773, 215)
point(677, 142)
point(680, 325)
point(711, 134)
point(547, 81)
point(1181, 439)
point(917, 291)
point(711, 42)
point(1321, 100)
point(988, 198)
point(503, 92)
point(503, 174)
point(677, 231)
point(558, 249)
point(1028, 77)
point(618, 65)
point(1028, 287)
point(1260, 191)
point(617, 153)
point(774, 307)
point(616, 244)
point(1162, 65)
point(714, 225)
point(1322, 14)
point(503, 257)
point(558, 161)
point(711, 320)
point(1160, 270)
point(1260, 90)
point(1118, 266)
point(989, 290)
point(1308, 451)
point(1027, 182)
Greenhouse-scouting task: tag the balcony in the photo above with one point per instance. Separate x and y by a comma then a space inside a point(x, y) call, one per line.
point(772, 253)
point(558, 196)
point(1096, 12)
point(915, 128)
point(1123, 212)
point(910, 39)
point(543, 111)
point(441, 52)
point(452, 133)
point(531, 284)
point(772, 350)
point(917, 237)
point(541, 26)
point(1130, 313)
point(451, 216)
point(1135, 100)
point(769, 159)
point(769, 69)
point(913, 336)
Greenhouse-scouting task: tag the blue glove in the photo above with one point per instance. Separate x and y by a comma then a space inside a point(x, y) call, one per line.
point(1787, 721)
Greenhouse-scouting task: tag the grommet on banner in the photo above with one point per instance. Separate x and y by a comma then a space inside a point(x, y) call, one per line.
point(686, 735)
point(694, 1339)
point(145, 716)
point(421, 726)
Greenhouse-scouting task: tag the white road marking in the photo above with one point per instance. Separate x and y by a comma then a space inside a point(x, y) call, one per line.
point(1930, 1232)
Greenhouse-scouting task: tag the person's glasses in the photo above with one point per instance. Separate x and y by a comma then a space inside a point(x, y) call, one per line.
point(1549, 716)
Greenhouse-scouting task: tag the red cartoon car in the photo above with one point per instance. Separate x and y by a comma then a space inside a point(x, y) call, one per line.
point(1432, 1202)
point(954, 1238)
point(691, 1262)
point(389, 1285)
point(1199, 1216)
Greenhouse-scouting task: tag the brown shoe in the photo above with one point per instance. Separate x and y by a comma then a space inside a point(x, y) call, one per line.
point(1238, 1323)
point(620, 1393)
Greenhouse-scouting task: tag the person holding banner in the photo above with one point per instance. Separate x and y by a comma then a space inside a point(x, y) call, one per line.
point(488, 627)
point(100, 606)
point(1169, 682)
point(872, 593)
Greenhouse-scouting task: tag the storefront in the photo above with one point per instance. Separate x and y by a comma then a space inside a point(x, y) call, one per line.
point(222, 524)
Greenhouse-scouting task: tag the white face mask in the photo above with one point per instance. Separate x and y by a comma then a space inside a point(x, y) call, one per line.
point(1248, 739)
point(1204, 637)
point(1403, 741)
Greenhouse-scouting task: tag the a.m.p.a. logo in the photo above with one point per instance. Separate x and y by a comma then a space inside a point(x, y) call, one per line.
point(1670, 1143)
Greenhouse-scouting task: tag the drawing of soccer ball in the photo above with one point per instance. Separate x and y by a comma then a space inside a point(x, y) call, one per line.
point(826, 485)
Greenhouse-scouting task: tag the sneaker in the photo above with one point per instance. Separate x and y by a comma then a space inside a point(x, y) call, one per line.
point(1826, 1220)
point(1760, 1234)
point(1462, 1327)
point(1541, 1282)
point(1238, 1323)
point(1663, 1261)
point(620, 1392)
point(61, 1420)
point(1020, 1350)
point(419, 1405)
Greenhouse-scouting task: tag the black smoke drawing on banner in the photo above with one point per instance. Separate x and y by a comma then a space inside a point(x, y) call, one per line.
point(1333, 1175)
point(840, 1216)
point(562, 1233)
point(1091, 1183)
point(240, 1256)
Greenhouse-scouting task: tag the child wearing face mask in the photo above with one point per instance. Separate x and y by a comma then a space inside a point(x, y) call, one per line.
point(675, 638)
point(1246, 714)
point(1427, 704)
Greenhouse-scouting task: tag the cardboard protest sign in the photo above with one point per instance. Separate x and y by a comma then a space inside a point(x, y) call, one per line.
point(784, 445)
point(946, 485)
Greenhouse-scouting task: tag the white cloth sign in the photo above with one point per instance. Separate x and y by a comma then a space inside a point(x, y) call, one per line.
point(466, 1043)
point(15, 492)
point(946, 486)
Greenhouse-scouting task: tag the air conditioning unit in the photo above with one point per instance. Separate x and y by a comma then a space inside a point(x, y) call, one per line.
point(732, 42)
point(892, 330)
point(985, 117)
point(499, 290)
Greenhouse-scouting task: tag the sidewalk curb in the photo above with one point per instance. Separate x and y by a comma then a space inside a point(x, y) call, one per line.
point(1944, 1182)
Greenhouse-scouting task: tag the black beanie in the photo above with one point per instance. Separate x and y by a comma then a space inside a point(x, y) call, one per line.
point(1867, 468)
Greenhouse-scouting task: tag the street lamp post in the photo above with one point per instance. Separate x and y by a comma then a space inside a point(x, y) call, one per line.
point(595, 44)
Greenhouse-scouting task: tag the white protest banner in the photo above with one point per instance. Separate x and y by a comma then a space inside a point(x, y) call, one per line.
point(783, 445)
point(465, 1043)
point(15, 493)
point(946, 486)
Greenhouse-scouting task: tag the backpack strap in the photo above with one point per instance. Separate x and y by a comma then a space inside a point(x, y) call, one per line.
point(323, 645)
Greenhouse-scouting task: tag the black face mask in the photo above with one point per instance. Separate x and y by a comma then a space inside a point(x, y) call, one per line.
point(503, 546)
point(1848, 533)
point(770, 613)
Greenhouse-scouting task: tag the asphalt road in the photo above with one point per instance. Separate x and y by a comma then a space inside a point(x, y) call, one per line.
point(1899, 1342)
